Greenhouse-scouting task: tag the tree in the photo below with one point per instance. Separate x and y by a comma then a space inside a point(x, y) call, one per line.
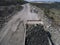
point(20, 0)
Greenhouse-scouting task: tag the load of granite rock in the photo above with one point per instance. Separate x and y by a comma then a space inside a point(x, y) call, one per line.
point(36, 36)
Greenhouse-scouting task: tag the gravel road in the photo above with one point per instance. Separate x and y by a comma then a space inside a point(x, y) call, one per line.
point(14, 32)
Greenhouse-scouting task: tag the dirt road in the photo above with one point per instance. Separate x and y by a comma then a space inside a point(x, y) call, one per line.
point(13, 33)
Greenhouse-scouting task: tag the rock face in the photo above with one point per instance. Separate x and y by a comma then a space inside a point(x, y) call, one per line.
point(36, 36)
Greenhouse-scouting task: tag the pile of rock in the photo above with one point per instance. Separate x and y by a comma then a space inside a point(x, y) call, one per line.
point(36, 36)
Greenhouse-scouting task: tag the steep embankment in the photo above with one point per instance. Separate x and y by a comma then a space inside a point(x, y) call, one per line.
point(51, 11)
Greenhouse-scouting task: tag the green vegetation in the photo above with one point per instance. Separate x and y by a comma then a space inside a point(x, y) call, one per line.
point(10, 2)
point(20, 0)
point(18, 7)
point(52, 10)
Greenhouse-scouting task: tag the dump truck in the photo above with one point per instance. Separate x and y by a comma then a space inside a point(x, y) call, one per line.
point(30, 30)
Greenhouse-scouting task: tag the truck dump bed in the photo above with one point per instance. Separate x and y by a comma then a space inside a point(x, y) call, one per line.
point(34, 22)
